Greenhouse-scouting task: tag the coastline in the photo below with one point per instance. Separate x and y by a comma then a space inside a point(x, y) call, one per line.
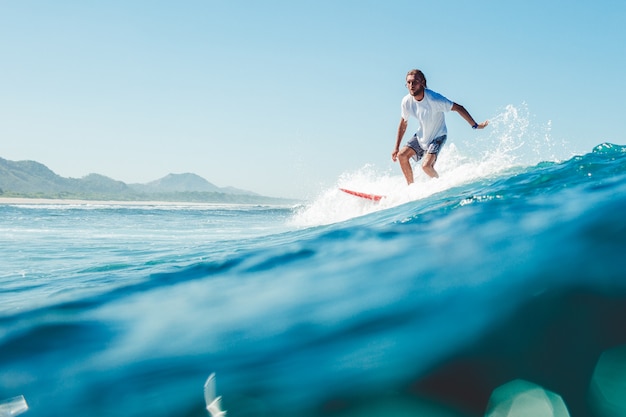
point(22, 201)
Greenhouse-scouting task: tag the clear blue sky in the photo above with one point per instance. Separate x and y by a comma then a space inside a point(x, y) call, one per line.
point(282, 97)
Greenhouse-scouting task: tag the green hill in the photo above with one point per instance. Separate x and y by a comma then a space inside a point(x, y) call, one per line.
point(30, 179)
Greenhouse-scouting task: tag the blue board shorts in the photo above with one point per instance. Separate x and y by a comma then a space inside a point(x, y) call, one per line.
point(433, 148)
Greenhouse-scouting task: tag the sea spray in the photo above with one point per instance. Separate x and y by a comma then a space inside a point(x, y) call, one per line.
point(511, 142)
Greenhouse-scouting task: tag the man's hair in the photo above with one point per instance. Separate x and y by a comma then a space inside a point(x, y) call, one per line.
point(419, 74)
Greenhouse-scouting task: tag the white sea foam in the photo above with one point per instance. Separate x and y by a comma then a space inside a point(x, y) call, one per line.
point(512, 140)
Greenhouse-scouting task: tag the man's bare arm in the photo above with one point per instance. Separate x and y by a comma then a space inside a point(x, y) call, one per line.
point(401, 129)
point(468, 118)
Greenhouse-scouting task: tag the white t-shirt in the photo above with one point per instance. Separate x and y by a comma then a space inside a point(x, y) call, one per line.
point(429, 113)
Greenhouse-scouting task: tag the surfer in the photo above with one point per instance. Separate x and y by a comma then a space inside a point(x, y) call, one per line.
point(428, 107)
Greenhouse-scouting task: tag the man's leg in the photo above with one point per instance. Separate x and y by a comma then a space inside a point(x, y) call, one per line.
point(404, 157)
point(429, 165)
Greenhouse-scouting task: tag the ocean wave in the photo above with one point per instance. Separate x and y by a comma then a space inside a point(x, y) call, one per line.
point(440, 296)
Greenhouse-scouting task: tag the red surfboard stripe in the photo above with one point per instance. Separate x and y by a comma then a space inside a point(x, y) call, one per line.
point(373, 197)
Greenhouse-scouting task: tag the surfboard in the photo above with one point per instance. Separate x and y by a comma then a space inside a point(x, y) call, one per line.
point(373, 197)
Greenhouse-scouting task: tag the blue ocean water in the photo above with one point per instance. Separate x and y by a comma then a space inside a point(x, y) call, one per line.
point(422, 304)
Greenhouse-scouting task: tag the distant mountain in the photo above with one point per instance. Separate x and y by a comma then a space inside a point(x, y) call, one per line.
point(33, 179)
point(101, 184)
point(29, 177)
point(178, 182)
point(185, 183)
